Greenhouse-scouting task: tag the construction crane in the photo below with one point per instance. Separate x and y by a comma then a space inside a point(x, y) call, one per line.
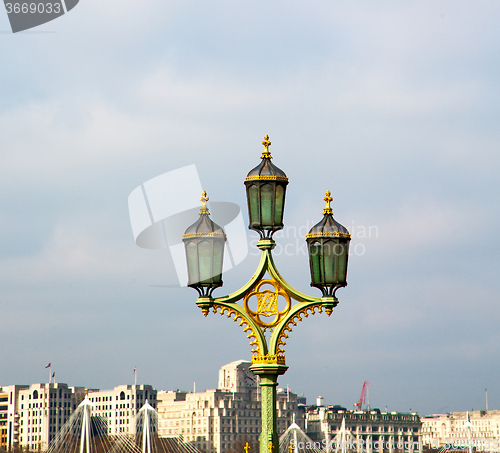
point(364, 396)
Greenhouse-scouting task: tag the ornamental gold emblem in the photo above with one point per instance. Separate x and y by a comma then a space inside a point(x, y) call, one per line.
point(268, 303)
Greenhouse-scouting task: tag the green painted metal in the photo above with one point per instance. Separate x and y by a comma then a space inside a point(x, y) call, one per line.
point(269, 372)
point(269, 438)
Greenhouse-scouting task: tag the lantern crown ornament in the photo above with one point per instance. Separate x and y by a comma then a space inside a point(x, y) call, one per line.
point(328, 244)
point(204, 243)
point(265, 187)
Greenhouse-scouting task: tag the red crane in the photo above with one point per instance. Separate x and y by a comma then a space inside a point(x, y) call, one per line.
point(362, 398)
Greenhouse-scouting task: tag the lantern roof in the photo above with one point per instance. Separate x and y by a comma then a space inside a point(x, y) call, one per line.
point(266, 169)
point(328, 226)
point(204, 226)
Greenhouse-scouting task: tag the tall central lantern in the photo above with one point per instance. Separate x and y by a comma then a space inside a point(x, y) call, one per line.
point(266, 186)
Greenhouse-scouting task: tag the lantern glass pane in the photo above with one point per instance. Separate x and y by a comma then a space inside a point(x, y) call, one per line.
point(253, 195)
point(342, 262)
point(205, 260)
point(315, 257)
point(192, 259)
point(266, 203)
point(330, 261)
point(218, 257)
point(278, 205)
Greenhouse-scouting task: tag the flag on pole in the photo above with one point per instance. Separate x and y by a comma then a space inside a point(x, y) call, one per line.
point(48, 366)
point(54, 374)
point(135, 375)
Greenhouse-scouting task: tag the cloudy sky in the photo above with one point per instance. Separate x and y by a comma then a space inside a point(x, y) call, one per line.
point(393, 105)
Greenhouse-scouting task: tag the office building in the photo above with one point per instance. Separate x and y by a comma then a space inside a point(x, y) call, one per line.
point(452, 429)
point(223, 419)
point(370, 430)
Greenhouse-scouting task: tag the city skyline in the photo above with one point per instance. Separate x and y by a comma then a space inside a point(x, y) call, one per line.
point(391, 105)
point(311, 399)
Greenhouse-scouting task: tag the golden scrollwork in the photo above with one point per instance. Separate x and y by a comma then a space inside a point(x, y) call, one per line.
point(242, 322)
point(267, 313)
point(269, 358)
point(305, 312)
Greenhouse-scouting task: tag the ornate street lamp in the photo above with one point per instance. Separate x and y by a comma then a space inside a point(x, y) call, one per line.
point(266, 186)
point(328, 244)
point(267, 302)
point(204, 243)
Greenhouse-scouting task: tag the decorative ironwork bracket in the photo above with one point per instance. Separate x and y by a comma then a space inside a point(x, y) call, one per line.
point(267, 315)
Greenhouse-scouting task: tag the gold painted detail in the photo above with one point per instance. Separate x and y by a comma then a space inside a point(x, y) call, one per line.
point(269, 358)
point(213, 234)
point(325, 234)
point(305, 312)
point(266, 154)
point(328, 199)
point(247, 328)
point(246, 447)
point(271, 447)
point(267, 313)
point(204, 199)
point(266, 177)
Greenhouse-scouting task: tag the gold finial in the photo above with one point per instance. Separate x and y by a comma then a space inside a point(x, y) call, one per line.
point(328, 199)
point(204, 199)
point(246, 447)
point(271, 446)
point(266, 153)
point(291, 448)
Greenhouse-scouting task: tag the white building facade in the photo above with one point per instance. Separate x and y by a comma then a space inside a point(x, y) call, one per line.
point(368, 430)
point(223, 419)
point(119, 407)
point(31, 415)
point(452, 429)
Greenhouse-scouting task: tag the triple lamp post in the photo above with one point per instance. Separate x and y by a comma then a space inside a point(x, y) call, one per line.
point(266, 298)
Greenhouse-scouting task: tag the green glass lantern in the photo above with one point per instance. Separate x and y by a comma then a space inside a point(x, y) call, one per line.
point(328, 244)
point(266, 186)
point(204, 243)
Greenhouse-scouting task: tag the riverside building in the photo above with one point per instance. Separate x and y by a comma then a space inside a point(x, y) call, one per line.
point(119, 407)
point(223, 419)
point(31, 415)
point(452, 429)
point(367, 430)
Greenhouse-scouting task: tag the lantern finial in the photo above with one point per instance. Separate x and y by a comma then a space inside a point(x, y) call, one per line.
point(328, 199)
point(266, 154)
point(204, 199)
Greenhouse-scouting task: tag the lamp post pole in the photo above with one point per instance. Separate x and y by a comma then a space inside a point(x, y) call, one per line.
point(266, 299)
